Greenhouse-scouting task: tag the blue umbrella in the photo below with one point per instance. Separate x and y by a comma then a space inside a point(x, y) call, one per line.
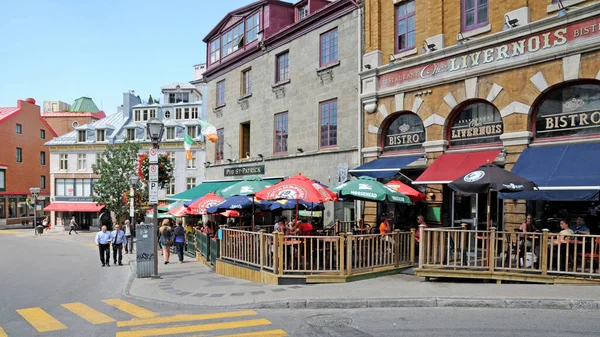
point(239, 202)
point(290, 205)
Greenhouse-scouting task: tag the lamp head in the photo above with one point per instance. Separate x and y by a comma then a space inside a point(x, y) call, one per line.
point(133, 180)
point(155, 130)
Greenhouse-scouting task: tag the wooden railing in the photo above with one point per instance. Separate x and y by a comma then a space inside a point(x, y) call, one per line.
point(342, 254)
point(541, 253)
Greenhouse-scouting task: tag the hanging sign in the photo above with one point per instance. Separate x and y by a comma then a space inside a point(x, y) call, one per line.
point(241, 171)
point(153, 172)
point(153, 192)
point(153, 156)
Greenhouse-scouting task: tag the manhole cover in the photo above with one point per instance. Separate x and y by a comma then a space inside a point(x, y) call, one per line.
point(328, 320)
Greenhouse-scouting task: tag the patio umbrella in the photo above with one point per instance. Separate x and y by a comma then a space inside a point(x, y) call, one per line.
point(178, 211)
point(288, 205)
point(168, 207)
point(410, 192)
point(238, 202)
point(248, 186)
point(230, 214)
point(165, 215)
point(199, 206)
point(369, 189)
point(490, 177)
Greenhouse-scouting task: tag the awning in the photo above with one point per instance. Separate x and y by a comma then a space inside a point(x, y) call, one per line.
point(72, 207)
point(383, 167)
point(563, 173)
point(209, 186)
point(451, 166)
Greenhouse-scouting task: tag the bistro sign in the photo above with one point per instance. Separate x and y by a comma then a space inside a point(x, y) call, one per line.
point(514, 49)
point(242, 171)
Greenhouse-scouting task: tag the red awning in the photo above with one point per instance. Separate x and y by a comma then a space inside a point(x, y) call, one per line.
point(451, 166)
point(90, 207)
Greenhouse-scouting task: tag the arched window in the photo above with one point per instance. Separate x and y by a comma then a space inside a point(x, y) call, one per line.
point(568, 111)
point(477, 122)
point(404, 131)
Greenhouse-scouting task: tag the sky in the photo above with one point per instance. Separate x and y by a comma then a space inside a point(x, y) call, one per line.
point(65, 49)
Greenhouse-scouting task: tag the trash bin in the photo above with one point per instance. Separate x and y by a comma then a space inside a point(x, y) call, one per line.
point(40, 229)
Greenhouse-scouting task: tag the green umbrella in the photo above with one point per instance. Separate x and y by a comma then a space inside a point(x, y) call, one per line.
point(369, 189)
point(170, 206)
point(248, 186)
point(161, 216)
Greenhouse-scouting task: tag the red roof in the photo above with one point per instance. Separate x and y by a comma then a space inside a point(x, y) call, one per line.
point(6, 112)
point(97, 115)
point(90, 207)
point(451, 166)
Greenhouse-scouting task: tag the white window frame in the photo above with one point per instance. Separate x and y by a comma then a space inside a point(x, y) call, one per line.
point(63, 161)
point(100, 135)
point(170, 132)
point(191, 163)
point(190, 182)
point(81, 161)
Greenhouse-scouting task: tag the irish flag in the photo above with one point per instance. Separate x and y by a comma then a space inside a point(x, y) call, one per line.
point(209, 131)
point(187, 143)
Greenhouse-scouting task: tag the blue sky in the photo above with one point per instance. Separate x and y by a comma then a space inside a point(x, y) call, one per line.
point(65, 49)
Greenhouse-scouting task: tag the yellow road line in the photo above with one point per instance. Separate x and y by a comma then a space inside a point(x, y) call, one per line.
point(193, 328)
point(41, 320)
point(2, 333)
point(266, 333)
point(89, 314)
point(130, 308)
point(10, 232)
point(184, 318)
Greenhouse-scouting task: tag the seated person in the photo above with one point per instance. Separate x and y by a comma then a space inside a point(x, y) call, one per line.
point(385, 227)
point(559, 244)
point(564, 235)
point(281, 227)
point(420, 221)
point(580, 227)
point(206, 228)
point(304, 227)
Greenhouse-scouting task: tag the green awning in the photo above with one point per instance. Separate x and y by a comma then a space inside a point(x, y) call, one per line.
point(210, 186)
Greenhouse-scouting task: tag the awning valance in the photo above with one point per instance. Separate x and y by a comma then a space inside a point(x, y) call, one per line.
point(563, 172)
point(451, 166)
point(383, 167)
point(88, 207)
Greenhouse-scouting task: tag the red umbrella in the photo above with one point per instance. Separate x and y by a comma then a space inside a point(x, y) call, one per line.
point(401, 187)
point(297, 188)
point(199, 206)
point(231, 214)
point(178, 211)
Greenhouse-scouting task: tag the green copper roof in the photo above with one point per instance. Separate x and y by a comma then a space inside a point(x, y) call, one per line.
point(84, 104)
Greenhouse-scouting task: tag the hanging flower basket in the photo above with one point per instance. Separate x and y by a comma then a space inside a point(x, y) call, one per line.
point(137, 197)
point(165, 168)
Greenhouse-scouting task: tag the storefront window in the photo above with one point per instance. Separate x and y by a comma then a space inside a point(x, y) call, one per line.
point(476, 123)
point(12, 208)
point(405, 132)
point(568, 111)
point(22, 211)
point(2, 208)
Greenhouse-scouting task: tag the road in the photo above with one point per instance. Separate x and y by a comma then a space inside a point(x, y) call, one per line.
point(55, 286)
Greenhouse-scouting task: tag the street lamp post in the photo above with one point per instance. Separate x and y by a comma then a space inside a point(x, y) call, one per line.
point(133, 180)
point(155, 130)
point(35, 192)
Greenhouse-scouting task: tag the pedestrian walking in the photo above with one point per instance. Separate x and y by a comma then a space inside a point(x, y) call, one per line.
point(72, 224)
point(46, 224)
point(128, 229)
point(103, 239)
point(179, 233)
point(118, 239)
point(166, 239)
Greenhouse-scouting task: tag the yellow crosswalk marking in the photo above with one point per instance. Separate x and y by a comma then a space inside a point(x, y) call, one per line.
point(266, 333)
point(41, 320)
point(2, 333)
point(130, 308)
point(10, 232)
point(193, 328)
point(185, 318)
point(91, 315)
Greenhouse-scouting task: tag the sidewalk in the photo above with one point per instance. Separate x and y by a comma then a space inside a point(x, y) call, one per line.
point(193, 283)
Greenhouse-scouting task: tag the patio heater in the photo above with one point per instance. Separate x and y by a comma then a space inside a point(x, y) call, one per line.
point(155, 130)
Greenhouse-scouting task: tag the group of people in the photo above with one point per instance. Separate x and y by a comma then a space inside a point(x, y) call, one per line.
point(168, 236)
point(295, 227)
point(117, 238)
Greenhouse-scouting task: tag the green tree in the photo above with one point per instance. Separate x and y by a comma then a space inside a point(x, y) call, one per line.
point(119, 163)
point(138, 97)
point(150, 100)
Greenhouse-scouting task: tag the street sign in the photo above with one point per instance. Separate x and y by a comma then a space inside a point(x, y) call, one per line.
point(153, 192)
point(153, 156)
point(153, 169)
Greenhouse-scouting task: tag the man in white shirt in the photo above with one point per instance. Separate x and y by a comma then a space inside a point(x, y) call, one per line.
point(118, 239)
point(128, 229)
point(103, 239)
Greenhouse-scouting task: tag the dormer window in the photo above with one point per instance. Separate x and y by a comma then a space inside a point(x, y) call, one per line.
point(152, 113)
point(81, 136)
point(233, 40)
point(252, 27)
point(191, 131)
point(131, 134)
point(167, 114)
point(302, 11)
point(100, 135)
point(171, 132)
point(215, 50)
point(179, 97)
point(194, 113)
point(186, 113)
point(137, 115)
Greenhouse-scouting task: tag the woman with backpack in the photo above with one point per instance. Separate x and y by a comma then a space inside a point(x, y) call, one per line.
point(166, 239)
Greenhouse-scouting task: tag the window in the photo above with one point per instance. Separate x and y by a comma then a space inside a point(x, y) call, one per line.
point(81, 136)
point(42, 158)
point(99, 159)
point(403, 132)
point(281, 132)
point(232, 40)
point(171, 186)
point(152, 113)
point(191, 131)
point(138, 115)
point(282, 70)
point(215, 50)
point(194, 113)
point(100, 135)
point(219, 146)
point(19, 129)
point(81, 161)
point(246, 87)
point(245, 140)
point(328, 123)
point(43, 182)
point(190, 183)
point(252, 28)
point(42, 134)
point(179, 97)
point(302, 12)
point(329, 47)
point(178, 113)
point(186, 113)
point(476, 122)
point(144, 115)
point(474, 14)
point(2, 183)
point(221, 92)
point(131, 134)
point(172, 156)
point(171, 132)
point(19, 155)
point(167, 114)
point(405, 26)
point(74, 187)
point(64, 162)
point(191, 163)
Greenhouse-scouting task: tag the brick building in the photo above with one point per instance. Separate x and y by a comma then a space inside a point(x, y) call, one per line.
point(282, 91)
point(449, 85)
point(24, 161)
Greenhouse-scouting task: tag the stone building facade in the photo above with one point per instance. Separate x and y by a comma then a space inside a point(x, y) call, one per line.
point(284, 98)
point(461, 86)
